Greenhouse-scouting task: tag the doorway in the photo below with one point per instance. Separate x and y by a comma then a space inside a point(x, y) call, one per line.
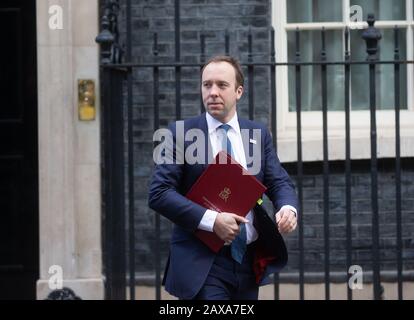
point(19, 227)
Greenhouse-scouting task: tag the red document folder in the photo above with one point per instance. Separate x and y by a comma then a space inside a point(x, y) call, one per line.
point(225, 186)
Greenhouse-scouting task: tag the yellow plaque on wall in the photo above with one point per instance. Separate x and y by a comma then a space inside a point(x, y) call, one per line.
point(86, 100)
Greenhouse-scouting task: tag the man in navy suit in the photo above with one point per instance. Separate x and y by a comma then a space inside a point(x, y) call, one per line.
point(194, 271)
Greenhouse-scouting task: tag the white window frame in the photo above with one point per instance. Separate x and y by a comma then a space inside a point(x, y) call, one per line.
point(359, 120)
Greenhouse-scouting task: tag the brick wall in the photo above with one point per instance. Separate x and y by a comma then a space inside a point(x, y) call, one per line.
point(211, 18)
point(361, 216)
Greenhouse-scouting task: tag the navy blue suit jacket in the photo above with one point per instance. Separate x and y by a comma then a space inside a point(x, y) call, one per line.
point(190, 260)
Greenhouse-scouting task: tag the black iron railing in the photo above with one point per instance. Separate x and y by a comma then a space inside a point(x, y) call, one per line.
point(115, 73)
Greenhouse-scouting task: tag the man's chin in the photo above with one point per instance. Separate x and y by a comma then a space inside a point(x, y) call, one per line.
point(217, 114)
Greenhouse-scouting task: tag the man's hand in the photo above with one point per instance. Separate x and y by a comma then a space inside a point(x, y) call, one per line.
point(226, 226)
point(286, 220)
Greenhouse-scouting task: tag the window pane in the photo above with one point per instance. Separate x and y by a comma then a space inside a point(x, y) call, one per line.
point(382, 9)
point(311, 89)
point(384, 73)
point(314, 11)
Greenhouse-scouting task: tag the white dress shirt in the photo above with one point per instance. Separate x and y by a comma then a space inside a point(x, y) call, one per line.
point(207, 222)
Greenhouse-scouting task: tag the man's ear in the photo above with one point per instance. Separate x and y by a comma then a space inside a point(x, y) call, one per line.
point(239, 92)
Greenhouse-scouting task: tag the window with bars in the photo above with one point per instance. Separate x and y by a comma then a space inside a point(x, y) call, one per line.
point(334, 15)
point(310, 16)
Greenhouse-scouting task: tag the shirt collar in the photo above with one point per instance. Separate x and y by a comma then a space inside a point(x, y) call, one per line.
point(213, 123)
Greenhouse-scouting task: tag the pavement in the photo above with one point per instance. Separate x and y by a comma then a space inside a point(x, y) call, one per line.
point(338, 291)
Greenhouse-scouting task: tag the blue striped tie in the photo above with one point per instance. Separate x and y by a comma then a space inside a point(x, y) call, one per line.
point(238, 246)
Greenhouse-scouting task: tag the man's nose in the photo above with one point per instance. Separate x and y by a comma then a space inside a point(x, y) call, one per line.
point(214, 91)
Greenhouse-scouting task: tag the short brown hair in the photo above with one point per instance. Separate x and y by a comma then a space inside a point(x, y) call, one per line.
point(234, 62)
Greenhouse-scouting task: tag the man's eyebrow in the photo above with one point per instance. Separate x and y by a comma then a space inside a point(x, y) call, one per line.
point(220, 83)
point(216, 81)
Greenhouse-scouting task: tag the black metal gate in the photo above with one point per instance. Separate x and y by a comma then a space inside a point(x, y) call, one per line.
point(117, 82)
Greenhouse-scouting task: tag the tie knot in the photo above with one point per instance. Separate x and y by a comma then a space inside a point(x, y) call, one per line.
point(226, 127)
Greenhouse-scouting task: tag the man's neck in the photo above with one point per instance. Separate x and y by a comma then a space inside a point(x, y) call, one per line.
point(227, 119)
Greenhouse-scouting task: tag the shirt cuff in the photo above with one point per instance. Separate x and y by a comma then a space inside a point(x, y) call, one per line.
point(207, 221)
point(291, 209)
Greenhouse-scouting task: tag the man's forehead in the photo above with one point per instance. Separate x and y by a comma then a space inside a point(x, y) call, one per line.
point(219, 71)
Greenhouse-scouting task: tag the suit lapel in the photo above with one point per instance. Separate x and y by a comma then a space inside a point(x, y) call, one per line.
point(247, 139)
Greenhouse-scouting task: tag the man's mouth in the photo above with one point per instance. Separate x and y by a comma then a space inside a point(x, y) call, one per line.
point(215, 104)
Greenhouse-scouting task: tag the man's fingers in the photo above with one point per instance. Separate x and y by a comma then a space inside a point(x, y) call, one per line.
point(286, 221)
point(285, 217)
point(282, 216)
point(235, 230)
point(240, 219)
point(231, 236)
point(278, 216)
point(287, 227)
point(226, 226)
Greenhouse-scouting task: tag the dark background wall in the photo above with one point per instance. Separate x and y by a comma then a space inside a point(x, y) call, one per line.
point(238, 17)
point(361, 216)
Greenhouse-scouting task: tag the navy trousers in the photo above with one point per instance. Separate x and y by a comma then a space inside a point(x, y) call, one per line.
point(229, 280)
